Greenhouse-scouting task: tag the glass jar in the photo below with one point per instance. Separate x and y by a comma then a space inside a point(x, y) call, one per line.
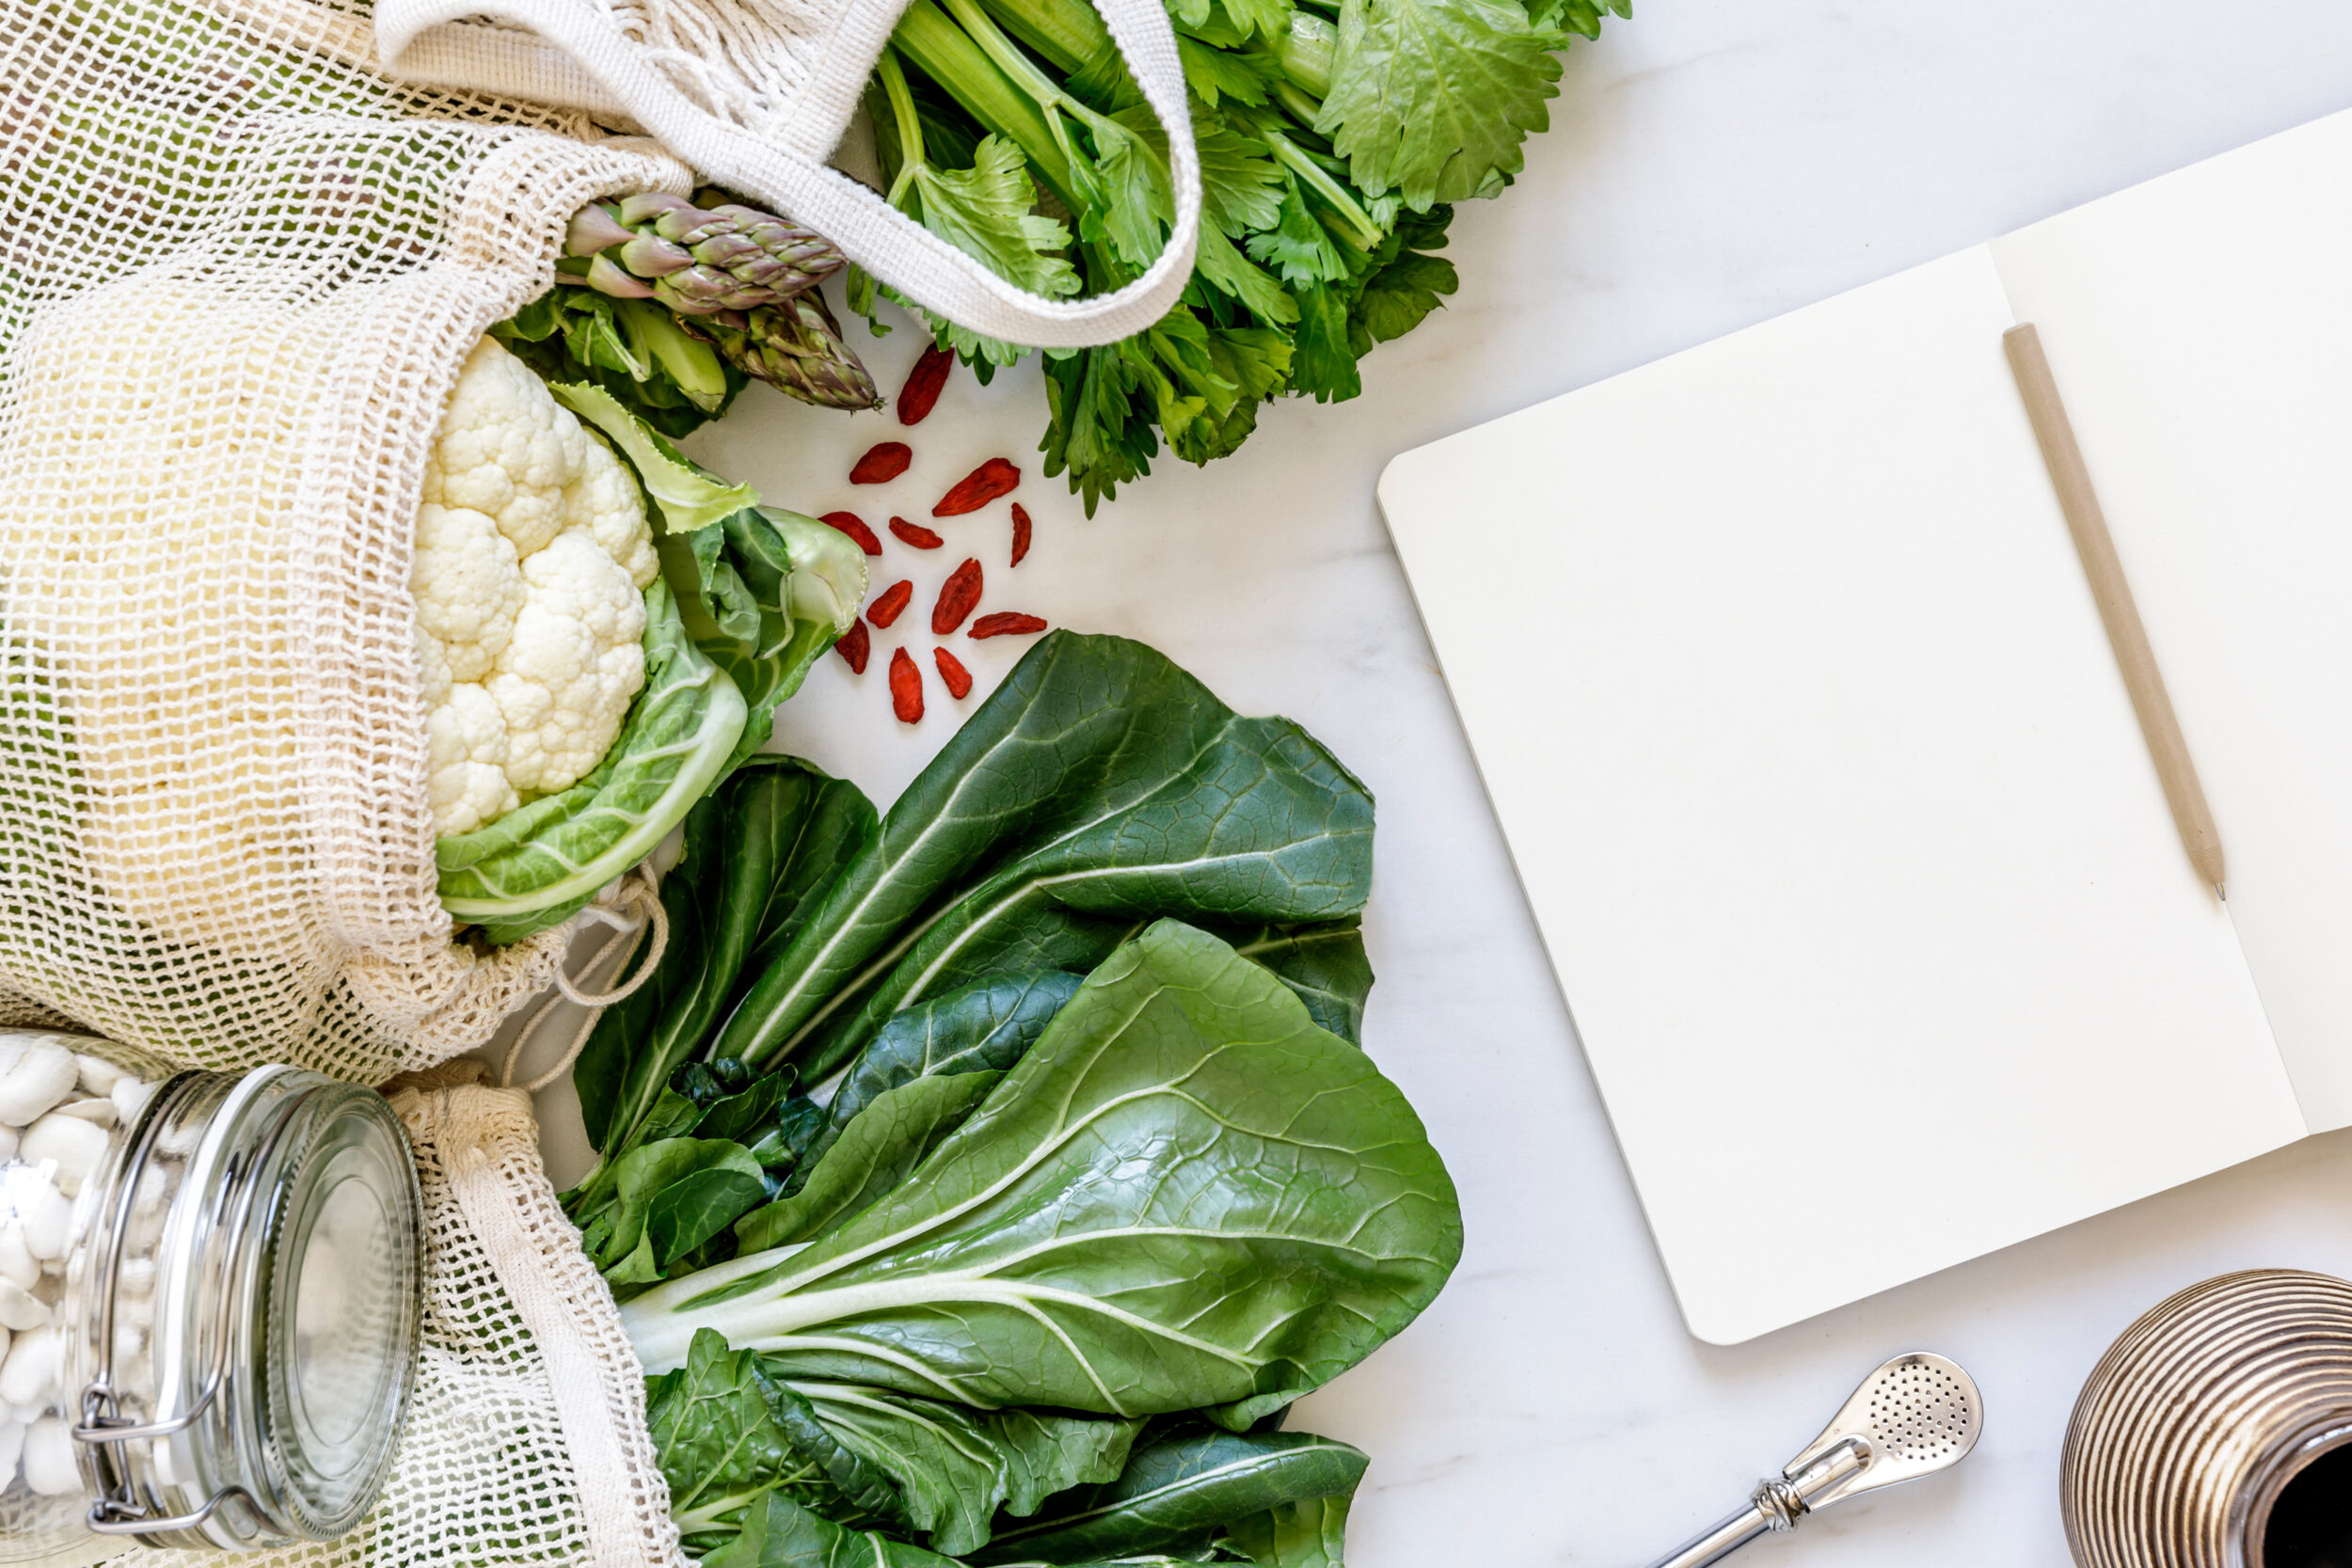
point(211, 1291)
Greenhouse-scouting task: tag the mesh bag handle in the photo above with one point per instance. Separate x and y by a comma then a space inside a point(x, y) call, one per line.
point(784, 162)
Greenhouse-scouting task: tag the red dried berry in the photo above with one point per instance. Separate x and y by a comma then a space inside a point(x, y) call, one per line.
point(890, 603)
point(915, 534)
point(1008, 623)
point(997, 477)
point(906, 688)
point(883, 462)
point(1020, 533)
point(854, 526)
point(921, 392)
point(951, 670)
point(854, 646)
point(959, 596)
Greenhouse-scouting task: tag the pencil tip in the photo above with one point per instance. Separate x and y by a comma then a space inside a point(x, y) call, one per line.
point(2221, 893)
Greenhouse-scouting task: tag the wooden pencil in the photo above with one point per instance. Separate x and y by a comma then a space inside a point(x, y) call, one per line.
point(2191, 814)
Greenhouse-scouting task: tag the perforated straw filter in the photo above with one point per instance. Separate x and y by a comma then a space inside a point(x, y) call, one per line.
point(1915, 1415)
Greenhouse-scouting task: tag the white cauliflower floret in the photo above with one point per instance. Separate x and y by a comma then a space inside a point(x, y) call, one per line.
point(532, 552)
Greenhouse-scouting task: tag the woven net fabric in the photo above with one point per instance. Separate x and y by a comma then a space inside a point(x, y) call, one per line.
point(525, 1440)
point(239, 270)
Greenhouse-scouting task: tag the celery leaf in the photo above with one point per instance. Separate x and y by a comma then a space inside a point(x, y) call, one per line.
point(1433, 98)
point(987, 212)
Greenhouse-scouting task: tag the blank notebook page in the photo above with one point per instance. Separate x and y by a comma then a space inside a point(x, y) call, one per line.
point(1784, 683)
point(2201, 330)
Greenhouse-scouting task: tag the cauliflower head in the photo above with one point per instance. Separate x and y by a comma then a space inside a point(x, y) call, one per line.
point(532, 553)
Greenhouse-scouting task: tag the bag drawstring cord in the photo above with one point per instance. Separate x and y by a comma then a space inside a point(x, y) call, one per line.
point(635, 909)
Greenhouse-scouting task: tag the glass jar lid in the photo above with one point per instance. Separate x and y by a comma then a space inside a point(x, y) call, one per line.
point(250, 1299)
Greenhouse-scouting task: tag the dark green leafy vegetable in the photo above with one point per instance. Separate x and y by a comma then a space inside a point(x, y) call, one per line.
point(778, 1532)
point(1098, 780)
point(877, 1152)
point(755, 852)
point(1175, 1494)
point(1323, 963)
point(724, 1434)
point(954, 1466)
point(1329, 156)
point(1216, 1135)
point(989, 1024)
point(1038, 1216)
point(1310, 1534)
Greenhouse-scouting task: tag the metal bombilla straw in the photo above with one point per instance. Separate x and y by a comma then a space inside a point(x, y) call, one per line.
point(1915, 1415)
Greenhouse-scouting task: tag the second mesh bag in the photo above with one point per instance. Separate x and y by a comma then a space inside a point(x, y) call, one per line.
point(239, 271)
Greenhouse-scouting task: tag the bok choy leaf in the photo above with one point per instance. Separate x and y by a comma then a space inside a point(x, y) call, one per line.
point(1098, 786)
point(1175, 1494)
point(1181, 1124)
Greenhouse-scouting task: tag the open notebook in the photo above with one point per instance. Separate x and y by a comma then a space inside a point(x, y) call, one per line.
point(1788, 690)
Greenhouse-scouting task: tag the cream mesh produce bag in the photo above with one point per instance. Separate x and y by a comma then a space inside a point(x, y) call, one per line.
point(238, 273)
point(240, 267)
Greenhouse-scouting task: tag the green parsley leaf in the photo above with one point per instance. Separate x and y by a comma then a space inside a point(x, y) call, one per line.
point(1299, 247)
point(1220, 263)
point(1578, 16)
point(985, 212)
point(1322, 361)
point(1241, 184)
point(1214, 74)
point(1433, 98)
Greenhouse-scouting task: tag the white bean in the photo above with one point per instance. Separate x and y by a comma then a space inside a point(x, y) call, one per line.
point(98, 1111)
point(44, 1214)
point(18, 1265)
point(135, 1278)
point(11, 1443)
point(42, 1077)
point(98, 1075)
point(7, 1145)
point(154, 1191)
point(178, 1141)
point(74, 1147)
point(35, 1369)
point(130, 1098)
point(12, 1045)
point(50, 1465)
point(19, 1308)
point(25, 1415)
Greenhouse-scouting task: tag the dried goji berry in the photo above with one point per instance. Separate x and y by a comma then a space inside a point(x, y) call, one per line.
point(997, 477)
point(906, 688)
point(854, 646)
point(917, 398)
point(884, 461)
point(1008, 623)
point(1020, 533)
point(951, 670)
point(854, 526)
point(957, 598)
point(889, 603)
point(915, 534)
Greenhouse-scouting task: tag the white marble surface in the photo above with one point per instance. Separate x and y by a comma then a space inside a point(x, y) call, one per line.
point(1711, 164)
